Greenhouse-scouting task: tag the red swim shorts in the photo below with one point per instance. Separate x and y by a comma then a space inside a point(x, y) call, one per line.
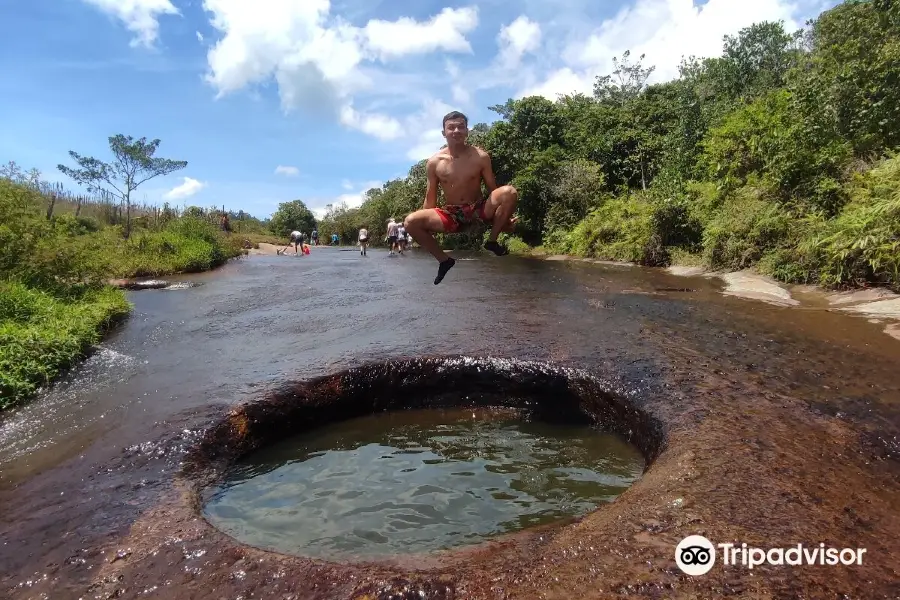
point(454, 216)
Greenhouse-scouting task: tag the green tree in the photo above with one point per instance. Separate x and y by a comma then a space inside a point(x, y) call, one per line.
point(577, 188)
point(622, 89)
point(852, 74)
point(625, 83)
point(292, 216)
point(757, 60)
point(133, 164)
point(536, 196)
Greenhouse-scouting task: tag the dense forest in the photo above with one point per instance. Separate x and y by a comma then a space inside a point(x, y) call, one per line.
point(779, 154)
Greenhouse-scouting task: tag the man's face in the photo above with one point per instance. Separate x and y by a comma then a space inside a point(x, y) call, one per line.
point(455, 130)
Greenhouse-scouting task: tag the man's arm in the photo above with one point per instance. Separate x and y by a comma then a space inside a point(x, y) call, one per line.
point(431, 191)
point(487, 172)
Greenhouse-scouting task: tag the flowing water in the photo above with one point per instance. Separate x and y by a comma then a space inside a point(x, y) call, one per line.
point(418, 481)
point(82, 461)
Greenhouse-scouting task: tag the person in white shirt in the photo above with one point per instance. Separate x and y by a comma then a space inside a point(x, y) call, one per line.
point(296, 240)
point(393, 229)
point(363, 240)
point(401, 238)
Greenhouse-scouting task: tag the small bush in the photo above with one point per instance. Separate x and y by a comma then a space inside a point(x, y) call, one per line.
point(639, 228)
point(745, 228)
point(621, 229)
point(862, 244)
point(42, 333)
point(515, 244)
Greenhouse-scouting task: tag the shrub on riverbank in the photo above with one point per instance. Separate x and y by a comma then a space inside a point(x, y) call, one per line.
point(187, 245)
point(862, 243)
point(42, 333)
point(54, 302)
point(68, 249)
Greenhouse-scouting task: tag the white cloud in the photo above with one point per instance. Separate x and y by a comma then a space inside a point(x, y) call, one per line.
point(663, 30)
point(352, 199)
point(382, 126)
point(287, 171)
point(426, 125)
point(562, 81)
point(355, 199)
point(427, 144)
point(188, 188)
point(199, 37)
point(458, 90)
point(445, 31)
point(516, 39)
point(317, 61)
point(140, 16)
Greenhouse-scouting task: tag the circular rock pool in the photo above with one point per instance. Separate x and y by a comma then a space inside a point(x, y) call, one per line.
point(417, 481)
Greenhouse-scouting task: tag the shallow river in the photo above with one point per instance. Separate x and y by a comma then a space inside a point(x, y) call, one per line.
point(82, 461)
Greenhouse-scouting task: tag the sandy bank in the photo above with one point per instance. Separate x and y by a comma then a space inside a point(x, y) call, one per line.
point(266, 249)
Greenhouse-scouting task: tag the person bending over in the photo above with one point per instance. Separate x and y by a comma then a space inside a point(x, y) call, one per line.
point(458, 170)
point(296, 240)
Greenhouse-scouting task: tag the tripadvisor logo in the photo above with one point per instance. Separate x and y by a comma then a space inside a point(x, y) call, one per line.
point(696, 555)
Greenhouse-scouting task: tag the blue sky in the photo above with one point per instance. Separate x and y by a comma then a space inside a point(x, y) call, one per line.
point(341, 95)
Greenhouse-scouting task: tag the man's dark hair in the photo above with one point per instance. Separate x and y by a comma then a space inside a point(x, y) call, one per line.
point(452, 116)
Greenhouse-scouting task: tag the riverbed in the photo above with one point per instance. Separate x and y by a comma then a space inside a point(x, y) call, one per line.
point(781, 427)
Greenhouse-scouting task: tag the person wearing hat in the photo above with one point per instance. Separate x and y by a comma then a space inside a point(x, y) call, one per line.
point(393, 230)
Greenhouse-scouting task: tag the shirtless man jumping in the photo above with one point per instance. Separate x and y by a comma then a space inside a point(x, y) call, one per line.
point(458, 169)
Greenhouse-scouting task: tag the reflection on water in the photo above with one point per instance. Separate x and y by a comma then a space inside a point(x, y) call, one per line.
point(418, 481)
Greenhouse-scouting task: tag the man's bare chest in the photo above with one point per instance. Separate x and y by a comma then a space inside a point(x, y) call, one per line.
point(458, 173)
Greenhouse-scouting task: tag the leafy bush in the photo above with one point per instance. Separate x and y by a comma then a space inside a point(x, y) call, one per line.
point(621, 229)
point(53, 299)
point(640, 228)
point(515, 244)
point(42, 333)
point(576, 188)
point(862, 244)
point(186, 245)
point(746, 227)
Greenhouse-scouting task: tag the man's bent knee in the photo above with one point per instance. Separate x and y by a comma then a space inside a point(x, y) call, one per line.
point(421, 219)
point(510, 192)
point(506, 193)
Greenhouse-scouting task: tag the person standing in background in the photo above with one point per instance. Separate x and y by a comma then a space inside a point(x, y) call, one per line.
point(393, 229)
point(401, 238)
point(363, 240)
